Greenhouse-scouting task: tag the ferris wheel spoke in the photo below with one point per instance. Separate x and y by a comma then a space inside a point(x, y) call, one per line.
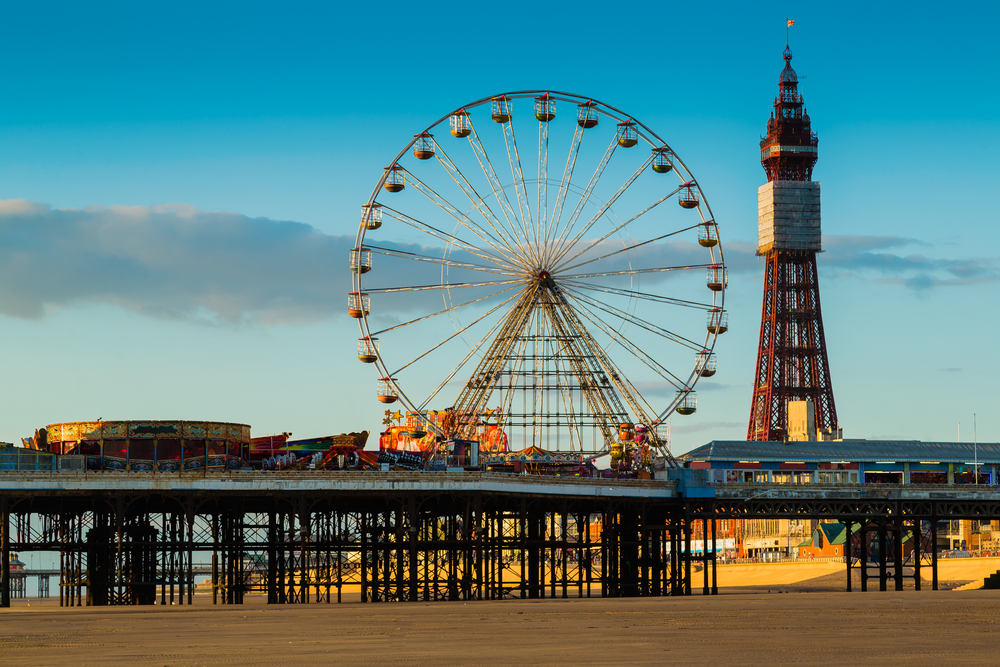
point(476, 199)
point(625, 249)
point(514, 157)
point(629, 391)
point(635, 217)
point(562, 235)
point(644, 417)
point(514, 223)
point(625, 316)
point(457, 333)
point(632, 348)
point(431, 230)
point(543, 180)
point(460, 217)
point(621, 383)
point(507, 398)
point(484, 377)
point(417, 257)
point(639, 295)
point(442, 312)
point(565, 324)
point(504, 325)
point(566, 396)
point(448, 378)
point(567, 178)
point(564, 248)
point(423, 288)
point(635, 272)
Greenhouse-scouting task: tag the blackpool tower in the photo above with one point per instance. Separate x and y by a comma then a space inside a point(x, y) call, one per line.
point(792, 363)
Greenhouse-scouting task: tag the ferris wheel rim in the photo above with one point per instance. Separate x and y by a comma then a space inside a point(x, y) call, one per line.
point(521, 94)
point(707, 217)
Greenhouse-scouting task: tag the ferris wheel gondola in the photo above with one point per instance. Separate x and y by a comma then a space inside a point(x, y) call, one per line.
point(573, 303)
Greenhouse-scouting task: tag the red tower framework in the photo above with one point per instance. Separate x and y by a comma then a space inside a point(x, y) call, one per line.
point(792, 362)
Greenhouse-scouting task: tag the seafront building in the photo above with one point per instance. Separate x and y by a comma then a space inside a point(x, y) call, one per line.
point(844, 464)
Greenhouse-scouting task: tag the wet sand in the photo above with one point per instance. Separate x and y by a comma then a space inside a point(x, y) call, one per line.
point(748, 628)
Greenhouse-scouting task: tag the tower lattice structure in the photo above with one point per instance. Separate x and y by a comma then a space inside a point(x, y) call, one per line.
point(792, 362)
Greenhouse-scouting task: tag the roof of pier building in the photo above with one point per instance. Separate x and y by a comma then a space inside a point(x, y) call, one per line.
point(853, 451)
point(832, 534)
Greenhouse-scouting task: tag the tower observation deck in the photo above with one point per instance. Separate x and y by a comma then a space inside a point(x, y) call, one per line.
point(792, 362)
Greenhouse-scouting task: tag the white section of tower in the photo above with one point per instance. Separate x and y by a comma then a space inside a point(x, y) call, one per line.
point(788, 216)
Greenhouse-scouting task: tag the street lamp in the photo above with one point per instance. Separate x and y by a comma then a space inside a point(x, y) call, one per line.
point(975, 449)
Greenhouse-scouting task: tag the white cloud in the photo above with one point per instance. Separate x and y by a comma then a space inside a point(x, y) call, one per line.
point(869, 258)
point(176, 261)
point(170, 261)
point(865, 257)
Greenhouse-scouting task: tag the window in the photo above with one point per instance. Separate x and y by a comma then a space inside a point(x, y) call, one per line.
point(837, 477)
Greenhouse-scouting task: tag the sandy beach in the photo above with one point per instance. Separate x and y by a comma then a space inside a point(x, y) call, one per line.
point(745, 624)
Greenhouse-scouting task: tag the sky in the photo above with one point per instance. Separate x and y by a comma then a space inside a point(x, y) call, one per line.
point(180, 184)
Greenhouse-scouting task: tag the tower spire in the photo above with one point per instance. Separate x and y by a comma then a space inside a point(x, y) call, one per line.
point(792, 362)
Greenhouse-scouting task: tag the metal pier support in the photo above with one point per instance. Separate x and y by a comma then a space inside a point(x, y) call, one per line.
point(4, 554)
point(934, 553)
point(848, 557)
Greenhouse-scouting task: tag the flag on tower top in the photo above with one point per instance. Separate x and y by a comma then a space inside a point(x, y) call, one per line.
point(791, 22)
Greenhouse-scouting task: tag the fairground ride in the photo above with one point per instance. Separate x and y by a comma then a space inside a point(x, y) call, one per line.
point(575, 304)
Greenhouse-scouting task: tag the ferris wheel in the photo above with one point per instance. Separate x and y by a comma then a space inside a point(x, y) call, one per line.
point(543, 264)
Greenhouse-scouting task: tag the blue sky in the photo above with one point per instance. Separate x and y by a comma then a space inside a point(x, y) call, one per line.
point(189, 177)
